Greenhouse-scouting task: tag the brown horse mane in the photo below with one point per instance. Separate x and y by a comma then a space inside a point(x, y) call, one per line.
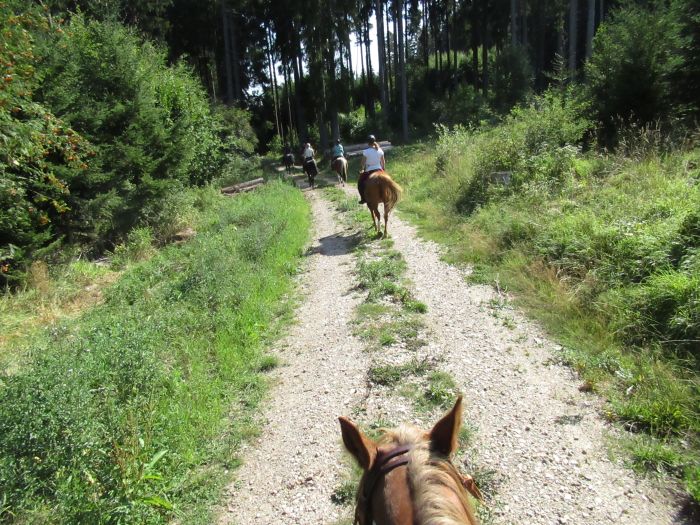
point(429, 476)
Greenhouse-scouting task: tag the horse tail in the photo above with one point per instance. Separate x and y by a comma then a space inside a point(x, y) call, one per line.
point(392, 192)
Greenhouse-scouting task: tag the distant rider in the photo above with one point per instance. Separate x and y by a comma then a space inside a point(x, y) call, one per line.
point(372, 160)
point(337, 151)
point(308, 155)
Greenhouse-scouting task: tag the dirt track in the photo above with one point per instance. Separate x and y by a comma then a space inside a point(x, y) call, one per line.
point(542, 441)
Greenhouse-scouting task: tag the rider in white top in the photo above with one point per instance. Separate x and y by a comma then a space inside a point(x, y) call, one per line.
point(372, 160)
point(308, 152)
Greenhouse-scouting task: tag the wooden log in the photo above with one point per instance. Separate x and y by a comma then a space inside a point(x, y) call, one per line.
point(243, 186)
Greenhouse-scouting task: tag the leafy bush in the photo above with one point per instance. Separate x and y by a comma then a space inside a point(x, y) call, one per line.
point(37, 151)
point(100, 132)
point(463, 106)
point(512, 78)
point(151, 125)
point(628, 75)
point(665, 308)
point(535, 145)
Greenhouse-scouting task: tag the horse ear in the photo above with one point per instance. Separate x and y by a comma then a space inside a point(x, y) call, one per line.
point(363, 449)
point(443, 436)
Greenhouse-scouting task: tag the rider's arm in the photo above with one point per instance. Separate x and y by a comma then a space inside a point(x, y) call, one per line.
point(381, 160)
point(363, 163)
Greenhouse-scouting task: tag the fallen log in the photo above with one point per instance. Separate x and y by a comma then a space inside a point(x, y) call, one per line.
point(243, 186)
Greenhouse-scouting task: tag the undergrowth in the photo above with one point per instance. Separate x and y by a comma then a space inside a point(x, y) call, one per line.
point(132, 413)
point(602, 249)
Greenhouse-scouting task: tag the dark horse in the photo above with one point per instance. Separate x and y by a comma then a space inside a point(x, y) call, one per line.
point(311, 170)
point(288, 162)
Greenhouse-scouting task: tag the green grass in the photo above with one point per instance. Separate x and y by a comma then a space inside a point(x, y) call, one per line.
point(390, 375)
point(606, 259)
point(133, 412)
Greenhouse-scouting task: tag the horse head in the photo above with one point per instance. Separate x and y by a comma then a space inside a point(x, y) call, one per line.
point(408, 477)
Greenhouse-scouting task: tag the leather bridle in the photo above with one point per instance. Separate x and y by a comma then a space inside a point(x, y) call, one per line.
point(384, 463)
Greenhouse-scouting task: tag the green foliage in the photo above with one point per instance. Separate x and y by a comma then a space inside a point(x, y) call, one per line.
point(37, 151)
point(463, 106)
point(628, 76)
point(390, 375)
point(151, 125)
point(535, 146)
point(100, 134)
point(685, 77)
point(132, 413)
point(440, 392)
point(512, 78)
point(664, 308)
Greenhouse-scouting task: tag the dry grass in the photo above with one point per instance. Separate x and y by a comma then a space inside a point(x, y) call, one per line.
point(52, 295)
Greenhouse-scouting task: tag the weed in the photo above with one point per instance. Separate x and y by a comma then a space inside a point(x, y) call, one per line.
point(390, 375)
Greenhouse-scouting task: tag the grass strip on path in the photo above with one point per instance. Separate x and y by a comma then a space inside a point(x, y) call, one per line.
point(391, 322)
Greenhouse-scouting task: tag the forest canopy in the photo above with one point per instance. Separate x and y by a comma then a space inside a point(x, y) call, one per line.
point(108, 106)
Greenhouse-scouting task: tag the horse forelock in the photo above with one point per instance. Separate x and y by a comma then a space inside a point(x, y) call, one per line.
point(432, 479)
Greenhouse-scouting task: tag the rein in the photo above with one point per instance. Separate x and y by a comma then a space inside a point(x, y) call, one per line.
point(383, 464)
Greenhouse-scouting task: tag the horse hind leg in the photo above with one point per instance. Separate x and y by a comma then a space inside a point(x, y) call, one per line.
point(379, 220)
point(376, 219)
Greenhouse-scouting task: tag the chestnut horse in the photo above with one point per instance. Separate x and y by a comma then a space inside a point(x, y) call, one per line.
point(340, 166)
point(379, 187)
point(408, 478)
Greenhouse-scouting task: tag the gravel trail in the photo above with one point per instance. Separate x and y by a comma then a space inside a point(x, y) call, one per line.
point(289, 473)
point(544, 441)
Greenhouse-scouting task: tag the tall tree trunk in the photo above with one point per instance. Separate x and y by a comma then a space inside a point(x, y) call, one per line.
point(485, 52)
point(273, 86)
point(590, 28)
point(402, 75)
point(454, 30)
point(291, 139)
point(235, 57)
point(474, 15)
point(523, 24)
point(426, 35)
point(370, 73)
point(539, 60)
point(573, 35)
point(514, 22)
point(395, 38)
point(382, 56)
point(302, 130)
point(391, 52)
point(448, 49)
point(227, 54)
point(349, 52)
point(602, 11)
